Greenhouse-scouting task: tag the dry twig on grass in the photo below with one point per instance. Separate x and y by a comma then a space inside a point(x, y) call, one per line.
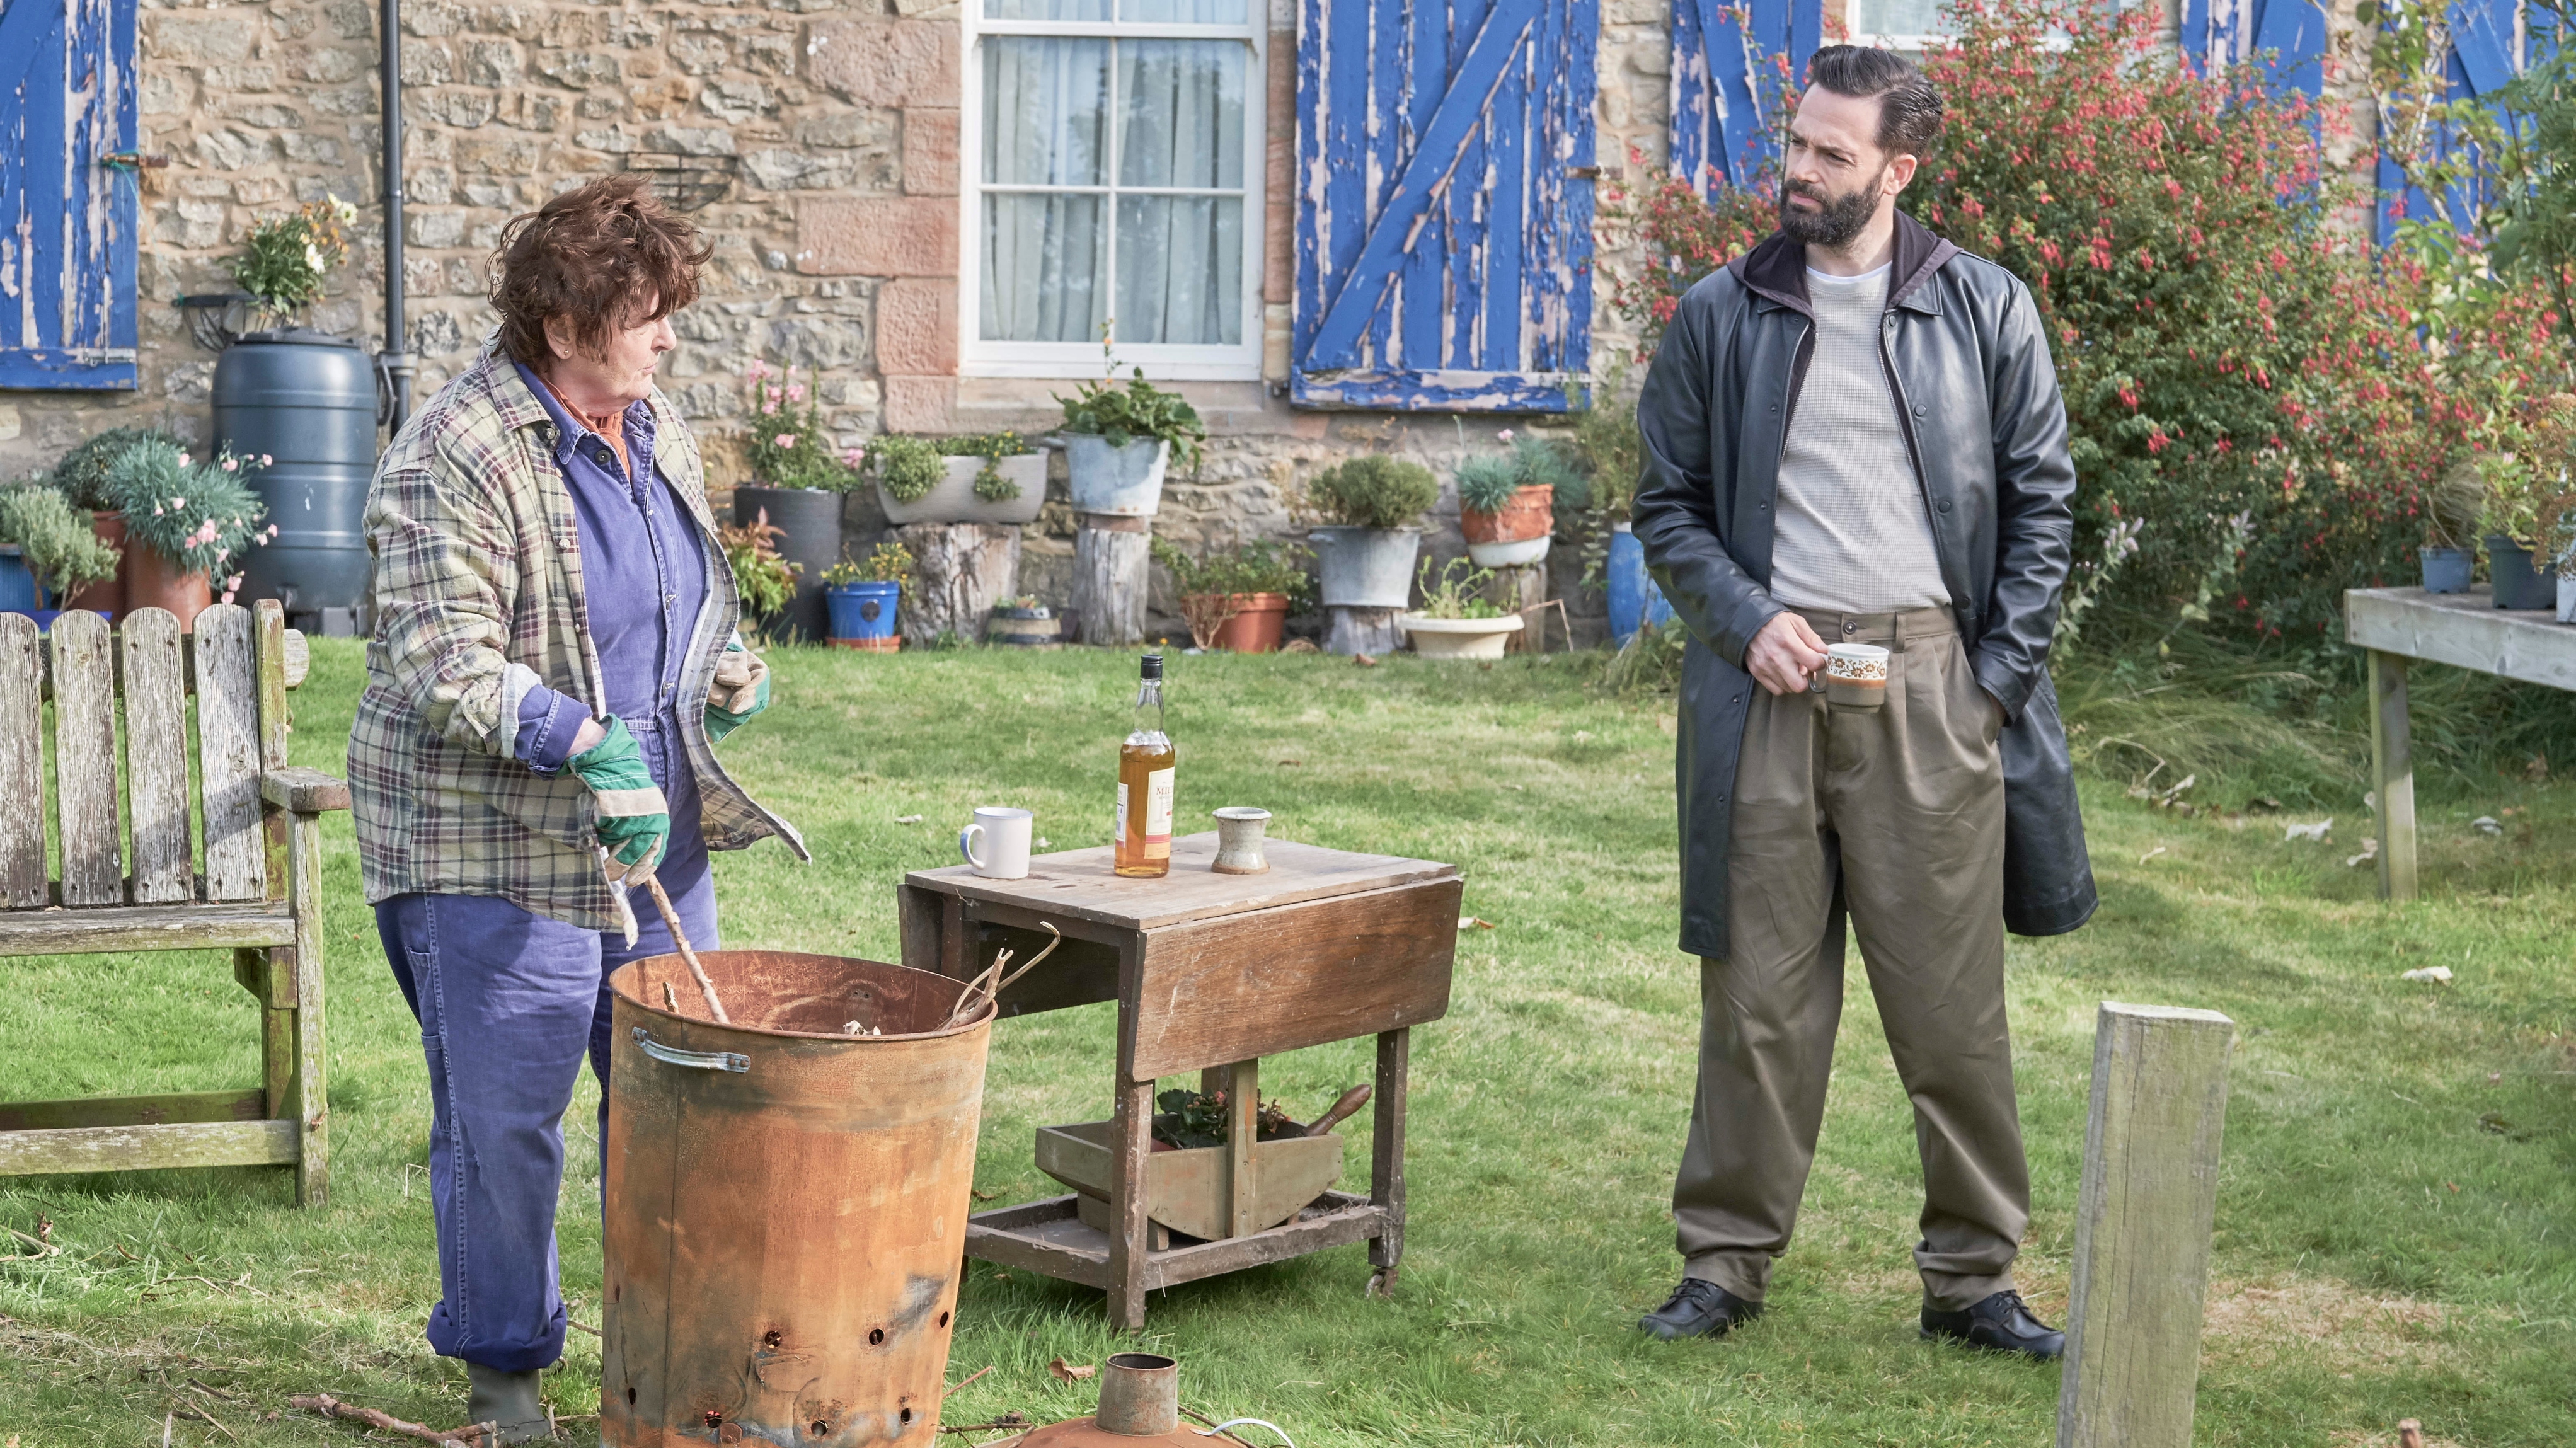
point(979, 1372)
point(331, 1407)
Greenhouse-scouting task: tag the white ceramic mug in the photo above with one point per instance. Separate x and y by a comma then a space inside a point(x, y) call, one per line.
point(1004, 834)
point(1855, 676)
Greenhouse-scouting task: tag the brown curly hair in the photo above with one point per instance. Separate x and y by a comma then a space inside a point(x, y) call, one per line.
point(589, 256)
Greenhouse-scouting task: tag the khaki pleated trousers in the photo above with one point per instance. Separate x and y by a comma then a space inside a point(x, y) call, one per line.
point(1895, 816)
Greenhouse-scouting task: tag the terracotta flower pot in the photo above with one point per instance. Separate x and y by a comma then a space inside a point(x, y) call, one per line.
point(1531, 513)
point(107, 595)
point(1258, 621)
point(152, 581)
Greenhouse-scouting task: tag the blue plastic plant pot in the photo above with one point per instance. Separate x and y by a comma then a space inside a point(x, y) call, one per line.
point(1627, 582)
point(2446, 570)
point(18, 591)
point(863, 610)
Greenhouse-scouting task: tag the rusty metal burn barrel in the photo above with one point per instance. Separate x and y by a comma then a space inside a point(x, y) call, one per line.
point(786, 1201)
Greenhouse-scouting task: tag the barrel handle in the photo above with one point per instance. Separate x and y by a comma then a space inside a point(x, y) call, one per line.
point(694, 1060)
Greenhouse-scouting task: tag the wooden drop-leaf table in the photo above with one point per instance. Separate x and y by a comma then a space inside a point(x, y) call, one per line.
point(1211, 972)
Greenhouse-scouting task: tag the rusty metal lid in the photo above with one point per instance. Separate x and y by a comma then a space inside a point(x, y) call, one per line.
point(1087, 1433)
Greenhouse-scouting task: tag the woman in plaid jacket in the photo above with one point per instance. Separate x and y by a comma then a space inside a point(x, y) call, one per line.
point(555, 657)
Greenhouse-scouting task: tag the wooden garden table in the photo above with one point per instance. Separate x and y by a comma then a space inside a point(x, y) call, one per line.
point(1211, 972)
point(2465, 630)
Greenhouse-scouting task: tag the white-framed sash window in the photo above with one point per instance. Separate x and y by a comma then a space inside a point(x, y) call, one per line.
point(1910, 26)
point(1112, 157)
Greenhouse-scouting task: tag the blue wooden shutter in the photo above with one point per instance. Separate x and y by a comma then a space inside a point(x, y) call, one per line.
point(67, 194)
point(2215, 34)
point(1444, 203)
point(1735, 64)
point(2482, 60)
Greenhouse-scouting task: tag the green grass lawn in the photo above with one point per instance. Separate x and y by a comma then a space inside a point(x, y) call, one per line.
point(2381, 1253)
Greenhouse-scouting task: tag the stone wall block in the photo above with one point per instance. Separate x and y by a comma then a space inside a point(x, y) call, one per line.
point(930, 151)
point(919, 404)
point(886, 62)
point(880, 236)
point(202, 39)
point(917, 326)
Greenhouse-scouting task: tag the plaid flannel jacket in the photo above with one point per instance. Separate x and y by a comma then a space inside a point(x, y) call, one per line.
point(477, 592)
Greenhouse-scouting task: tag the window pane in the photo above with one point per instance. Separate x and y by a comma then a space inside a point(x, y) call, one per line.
point(1046, 9)
point(1180, 12)
point(1181, 108)
point(1180, 269)
point(1046, 106)
point(1898, 17)
point(1045, 264)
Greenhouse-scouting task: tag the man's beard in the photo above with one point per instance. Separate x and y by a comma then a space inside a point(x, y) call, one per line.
point(1835, 224)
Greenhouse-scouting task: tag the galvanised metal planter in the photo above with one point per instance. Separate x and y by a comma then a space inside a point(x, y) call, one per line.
point(1365, 567)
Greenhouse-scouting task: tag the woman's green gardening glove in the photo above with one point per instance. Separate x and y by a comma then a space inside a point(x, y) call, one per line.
point(634, 819)
point(741, 689)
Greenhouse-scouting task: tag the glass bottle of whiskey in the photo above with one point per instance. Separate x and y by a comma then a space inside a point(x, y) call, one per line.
point(1144, 847)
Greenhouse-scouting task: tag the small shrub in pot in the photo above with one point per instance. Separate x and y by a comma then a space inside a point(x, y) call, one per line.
point(1238, 598)
point(1118, 440)
point(1364, 552)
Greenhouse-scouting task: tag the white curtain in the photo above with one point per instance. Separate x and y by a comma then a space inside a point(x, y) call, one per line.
point(1046, 253)
point(1180, 258)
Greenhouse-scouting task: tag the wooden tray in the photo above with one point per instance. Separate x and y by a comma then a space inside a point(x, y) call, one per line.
point(1186, 1190)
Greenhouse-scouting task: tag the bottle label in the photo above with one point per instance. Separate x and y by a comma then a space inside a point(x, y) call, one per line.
point(1158, 807)
point(1122, 812)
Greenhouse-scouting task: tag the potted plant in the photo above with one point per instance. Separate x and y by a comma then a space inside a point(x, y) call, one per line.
point(2451, 510)
point(1364, 551)
point(1506, 501)
point(765, 581)
point(188, 526)
point(1238, 599)
point(798, 485)
point(1024, 623)
point(50, 551)
point(1117, 442)
point(1454, 619)
point(2512, 524)
point(984, 478)
point(864, 599)
point(81, 477)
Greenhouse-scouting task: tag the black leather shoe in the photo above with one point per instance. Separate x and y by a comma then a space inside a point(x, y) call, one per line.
point(1698, 1309)
point(2001, 1323)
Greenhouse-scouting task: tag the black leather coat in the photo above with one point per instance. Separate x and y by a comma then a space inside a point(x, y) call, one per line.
point(1976, 391)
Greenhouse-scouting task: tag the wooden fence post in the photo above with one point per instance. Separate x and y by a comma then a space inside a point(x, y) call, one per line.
point(2392, 776)
point(2142, 1223)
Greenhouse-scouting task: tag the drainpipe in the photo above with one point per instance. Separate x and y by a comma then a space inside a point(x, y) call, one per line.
point(393, 361)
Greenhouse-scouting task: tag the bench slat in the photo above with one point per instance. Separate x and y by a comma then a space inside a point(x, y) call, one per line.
point(145, 1148)
point(85, 760)
point(228, 754)
point(22, 764)
point(156, 757)
point(145, 927)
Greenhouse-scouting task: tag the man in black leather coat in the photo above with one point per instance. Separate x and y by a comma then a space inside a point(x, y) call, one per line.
point(1853, 435)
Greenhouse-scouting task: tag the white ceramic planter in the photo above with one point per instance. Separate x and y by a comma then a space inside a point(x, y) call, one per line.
point(1365, 567)
point(1514, 554)
point(1122, 482)
point(1459, 638)
point(954, 500)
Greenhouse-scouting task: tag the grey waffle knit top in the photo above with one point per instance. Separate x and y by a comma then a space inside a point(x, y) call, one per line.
point(1852, 535)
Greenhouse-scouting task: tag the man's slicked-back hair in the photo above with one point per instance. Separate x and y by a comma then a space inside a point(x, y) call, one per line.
point(1909, 108)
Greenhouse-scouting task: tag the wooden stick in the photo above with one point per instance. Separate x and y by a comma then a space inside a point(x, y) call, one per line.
point(680, 938)
point(979, 1372)
point(331, 1407)
point(966, 998)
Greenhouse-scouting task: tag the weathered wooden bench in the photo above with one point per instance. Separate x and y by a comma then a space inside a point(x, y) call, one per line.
point(126, 875)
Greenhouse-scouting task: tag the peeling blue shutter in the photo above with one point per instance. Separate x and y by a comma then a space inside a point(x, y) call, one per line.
point(2482, 60)
point(2215, 34)
point(1734, 64)
point(67, 217)
point(1444, 203)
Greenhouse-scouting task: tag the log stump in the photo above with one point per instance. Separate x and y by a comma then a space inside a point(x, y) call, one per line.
point(1110, 577)
point(961, 570)
point(1351, 630)
point(1517, 589)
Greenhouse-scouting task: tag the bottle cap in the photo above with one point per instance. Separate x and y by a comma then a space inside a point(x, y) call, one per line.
point(1153, 668)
